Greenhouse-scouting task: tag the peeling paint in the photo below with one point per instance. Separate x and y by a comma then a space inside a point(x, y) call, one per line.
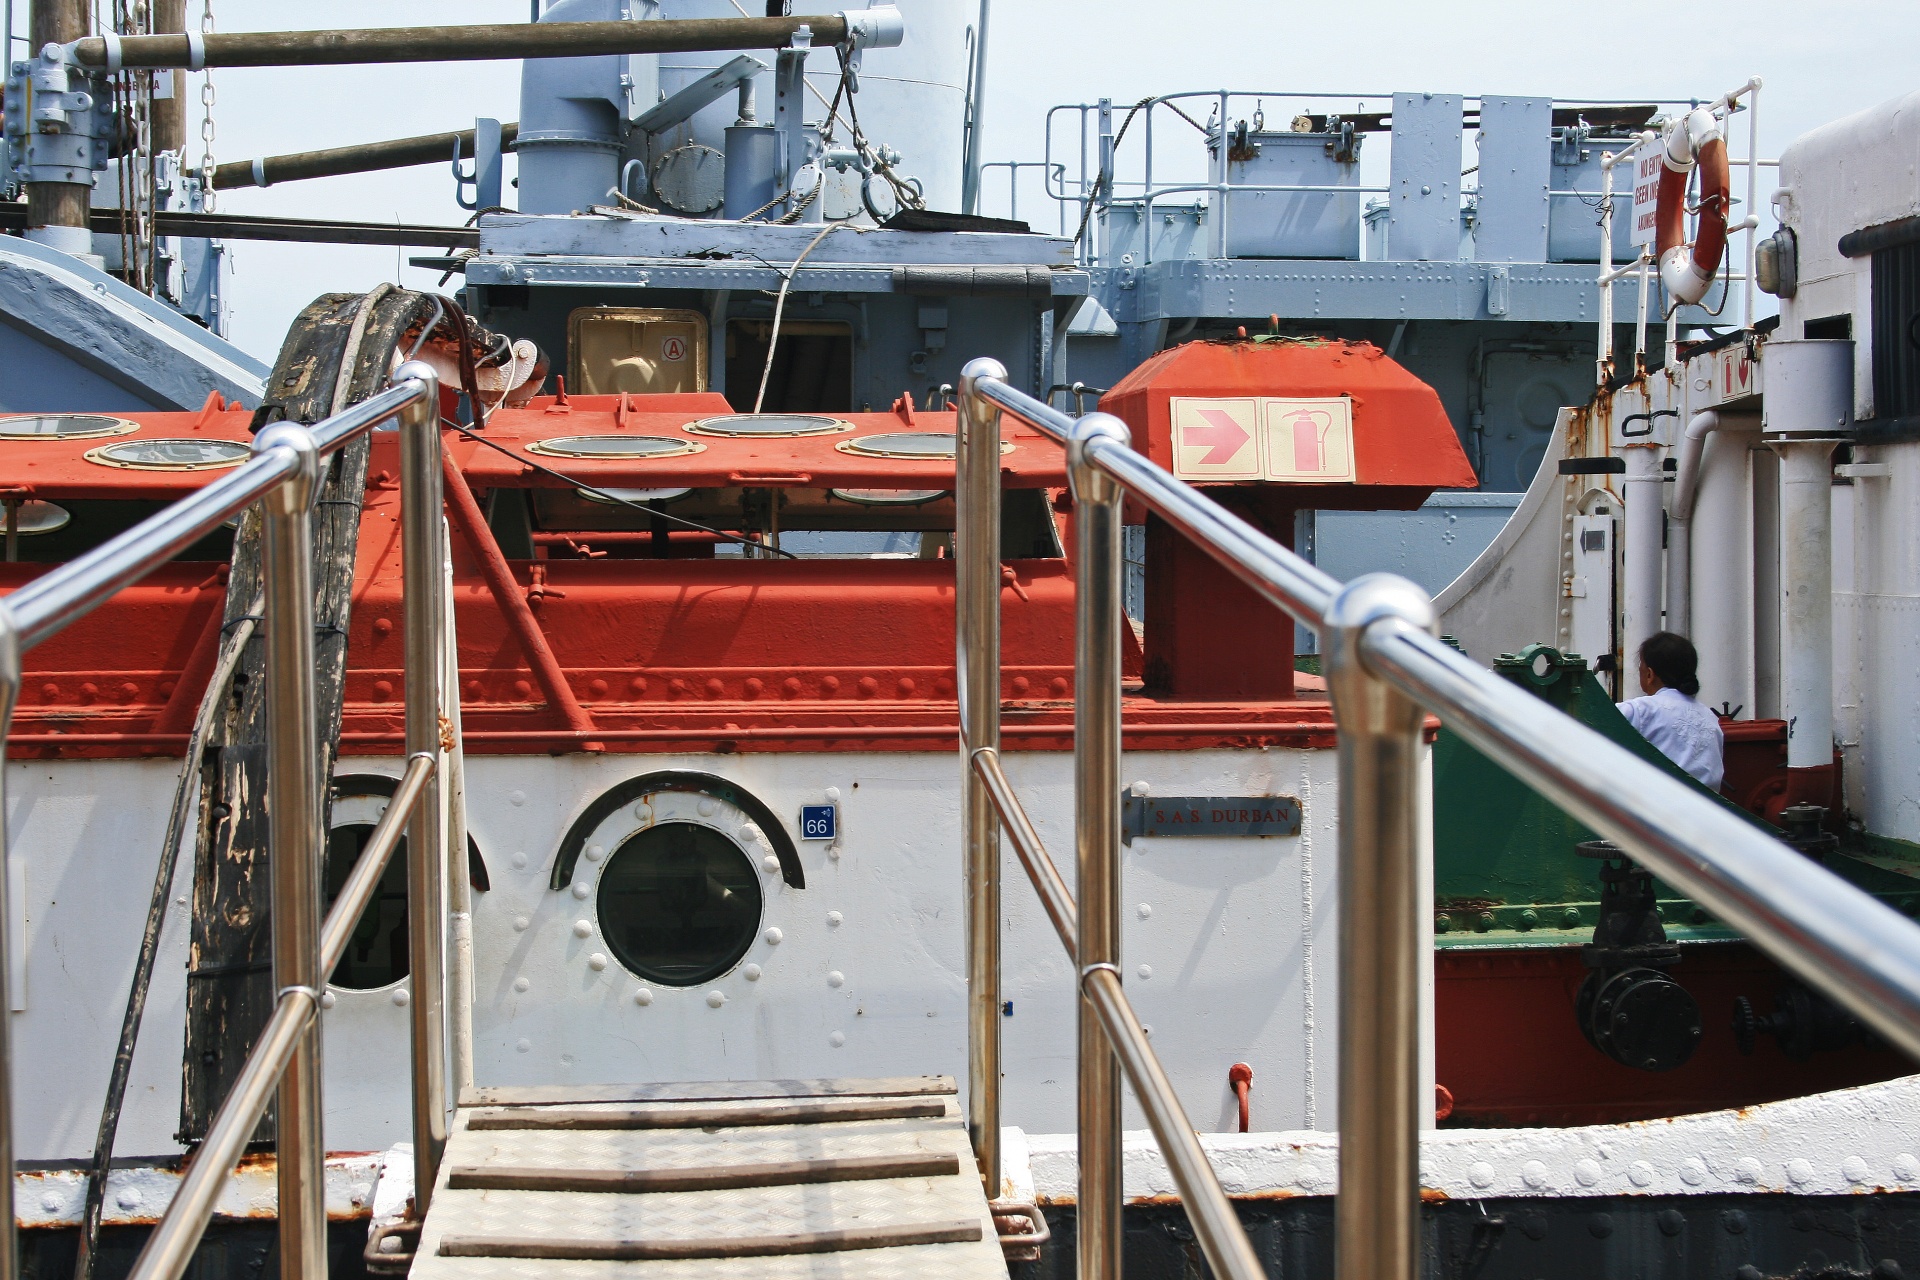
point(138, 1195)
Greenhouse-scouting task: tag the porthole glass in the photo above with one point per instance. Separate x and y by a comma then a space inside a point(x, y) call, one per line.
point(679, 903)
point(62, 426)
point(890, 497)
point(376, 954)
point(908, 444)
point(622, 448)
point(170, 455)
point(769, 424)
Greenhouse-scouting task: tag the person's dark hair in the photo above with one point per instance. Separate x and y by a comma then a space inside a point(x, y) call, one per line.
point(1674, 659)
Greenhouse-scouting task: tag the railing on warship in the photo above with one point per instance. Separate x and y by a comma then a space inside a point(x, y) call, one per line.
point(283, 476)
point(1386, 671)
point(1096, 186)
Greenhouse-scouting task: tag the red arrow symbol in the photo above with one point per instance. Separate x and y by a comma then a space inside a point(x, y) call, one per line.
point(1224, 437)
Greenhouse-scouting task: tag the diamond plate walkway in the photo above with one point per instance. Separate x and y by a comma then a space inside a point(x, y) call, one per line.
point(791, 1179)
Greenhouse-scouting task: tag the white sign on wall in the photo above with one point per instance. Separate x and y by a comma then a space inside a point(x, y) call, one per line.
point(1290, 440)
point(1646, 193)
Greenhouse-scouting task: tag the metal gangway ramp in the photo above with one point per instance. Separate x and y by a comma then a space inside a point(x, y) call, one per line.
point(783, 1178)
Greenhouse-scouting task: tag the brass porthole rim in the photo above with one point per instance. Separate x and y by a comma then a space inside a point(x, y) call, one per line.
point(98, 456)
point(834, 426)
point(119, 427)
point(682, 449)
point(859, 448)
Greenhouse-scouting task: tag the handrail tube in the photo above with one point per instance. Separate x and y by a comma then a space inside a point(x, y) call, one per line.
point(1860, 952)
point(1380, 740)
point(364, 879)
point(1048, 883)
point(1276, 573)
point(295, 842)
point(68, 593)
point(423, 556)
point(1217, 1227)
point(1096, 832)
point(64, 595)
point(169, 1250)
point(977, 588)
point(1285, 579)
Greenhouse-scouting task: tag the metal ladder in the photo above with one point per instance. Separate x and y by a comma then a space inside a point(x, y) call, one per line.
point(787, 1178)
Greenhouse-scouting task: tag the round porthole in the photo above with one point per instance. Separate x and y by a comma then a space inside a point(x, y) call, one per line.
point(615, 448)
point(63, 426)
point(679, 903)
point(931, 445)
point(769, 424)
point(376, 954)
point(170, 455)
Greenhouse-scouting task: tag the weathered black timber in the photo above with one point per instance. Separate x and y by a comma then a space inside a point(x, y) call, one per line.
point(229, 979)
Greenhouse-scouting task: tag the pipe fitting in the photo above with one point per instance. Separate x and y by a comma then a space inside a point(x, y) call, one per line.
point(298, 491)
point(878, 27)
point(1089, 483)
point(428, 405)
point(1366, 600)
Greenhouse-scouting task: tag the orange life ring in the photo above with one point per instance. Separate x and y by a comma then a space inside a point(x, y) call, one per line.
point(1687, 270)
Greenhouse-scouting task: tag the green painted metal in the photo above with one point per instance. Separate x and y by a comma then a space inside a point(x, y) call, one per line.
point(1506, 873)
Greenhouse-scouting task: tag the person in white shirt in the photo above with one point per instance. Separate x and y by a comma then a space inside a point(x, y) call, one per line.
point(1669, 717)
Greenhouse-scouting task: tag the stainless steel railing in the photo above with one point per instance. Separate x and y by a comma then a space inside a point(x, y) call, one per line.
point(283, 477)
point(1386, 669)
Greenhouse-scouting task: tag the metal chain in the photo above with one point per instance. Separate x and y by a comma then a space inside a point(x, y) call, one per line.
point(206, 116)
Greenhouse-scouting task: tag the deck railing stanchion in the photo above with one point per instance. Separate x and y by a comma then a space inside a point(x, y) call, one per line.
point(1377, 1214)
point(423, 547)
point(1096, 821)
point(977, 639)
point(295, 841)
point(9, 692)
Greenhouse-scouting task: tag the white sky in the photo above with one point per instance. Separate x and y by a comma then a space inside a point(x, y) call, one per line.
point(1821, 59)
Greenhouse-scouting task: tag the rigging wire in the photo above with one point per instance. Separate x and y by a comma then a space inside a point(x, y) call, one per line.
point(780, 306)
point(605, 495)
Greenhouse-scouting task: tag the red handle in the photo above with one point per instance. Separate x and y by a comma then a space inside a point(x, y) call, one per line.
point(1240, 1076)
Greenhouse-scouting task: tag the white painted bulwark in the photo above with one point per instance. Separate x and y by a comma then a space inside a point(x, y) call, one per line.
point(1841, 1143)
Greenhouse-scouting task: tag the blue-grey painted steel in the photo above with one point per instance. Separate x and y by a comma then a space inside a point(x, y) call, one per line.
point(710, 88)
point(1321, 290)
point(1573, 218)
point(1516, 144)
point(652, 274)
point(572, 119)
point(84, 340)
point(1431, 546)
point(1424, 222)
point(641, 236)
point(1179, 232)
point(1287, 224)
point(753, 156)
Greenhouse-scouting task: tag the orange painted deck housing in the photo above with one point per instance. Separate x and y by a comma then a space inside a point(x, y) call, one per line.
point(1208, 637)
point(669, 654)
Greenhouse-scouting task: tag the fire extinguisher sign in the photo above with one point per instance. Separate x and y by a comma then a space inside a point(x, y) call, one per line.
point(1286, 440)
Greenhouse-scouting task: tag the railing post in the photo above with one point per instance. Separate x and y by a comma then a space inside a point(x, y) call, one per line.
point(9, 692)
point(977, 642)
point(1376, 1216)
point(1096, 821)
point(295, 843)
point(423, 547)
